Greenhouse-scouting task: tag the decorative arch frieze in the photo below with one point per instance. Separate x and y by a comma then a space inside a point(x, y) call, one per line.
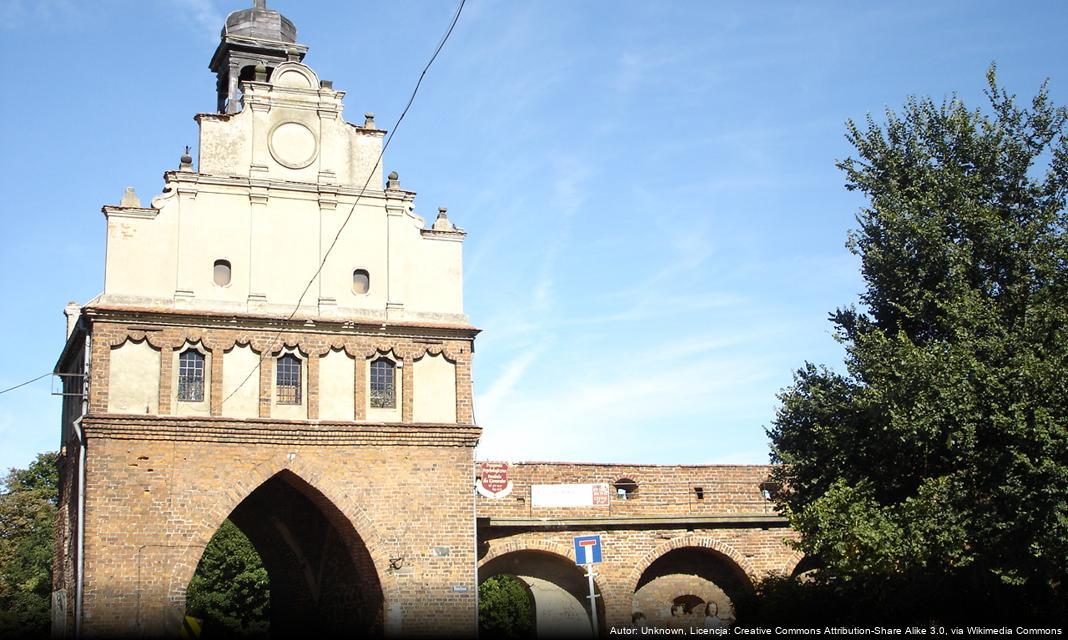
point(308, 344)
point(434, 350)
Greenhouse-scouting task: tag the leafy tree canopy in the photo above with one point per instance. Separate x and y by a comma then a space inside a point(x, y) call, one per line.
point(505, 608)
point(230, 590)
point(943, 447)
point(27, 512)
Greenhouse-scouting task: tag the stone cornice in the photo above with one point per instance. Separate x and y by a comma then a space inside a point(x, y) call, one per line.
point(162, 318)
point(738, 520)
point(449, 236)
point(246, 183)
point(260, 431)
point(110, 211)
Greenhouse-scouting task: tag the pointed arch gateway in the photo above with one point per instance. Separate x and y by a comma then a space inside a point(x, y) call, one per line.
point(323, 581)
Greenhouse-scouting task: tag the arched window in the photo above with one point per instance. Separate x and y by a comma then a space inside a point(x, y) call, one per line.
point(383, 384)
point(287, 379)
point(361, 281)
point(626, 488)
point(222, 273)
point(191, 376)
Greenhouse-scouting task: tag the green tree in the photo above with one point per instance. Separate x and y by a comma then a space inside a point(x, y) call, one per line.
point(27, 514)
point(230, 590)
point(941, 453)
point(505, 608)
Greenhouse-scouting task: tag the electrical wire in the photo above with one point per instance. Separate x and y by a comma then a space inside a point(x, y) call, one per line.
point(441, 44)
point(25, 383)
point(352, 209)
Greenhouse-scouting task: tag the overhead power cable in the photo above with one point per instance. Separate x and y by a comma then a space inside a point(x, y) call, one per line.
point(378, 161)
point(352, 209)
point(23, 384)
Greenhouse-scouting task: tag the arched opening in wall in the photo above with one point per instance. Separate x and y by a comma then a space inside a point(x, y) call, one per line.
point(687, 605)
point(689, 587)
point(625, 489)
point(315, 576)
point(559, 590)
point(230, 592)
point(361, 281)
point(221, 273)
point(806, 569)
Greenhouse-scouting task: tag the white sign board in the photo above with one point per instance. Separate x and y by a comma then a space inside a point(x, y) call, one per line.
point(569, 495)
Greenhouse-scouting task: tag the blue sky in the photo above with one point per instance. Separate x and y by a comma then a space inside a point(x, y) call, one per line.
point(656, 225)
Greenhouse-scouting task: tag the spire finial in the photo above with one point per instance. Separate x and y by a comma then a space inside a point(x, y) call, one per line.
point(259, 4)
point(442, 223)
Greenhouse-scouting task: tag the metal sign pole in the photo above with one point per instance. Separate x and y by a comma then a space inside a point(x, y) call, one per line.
point(587, 554)
point(593, 601)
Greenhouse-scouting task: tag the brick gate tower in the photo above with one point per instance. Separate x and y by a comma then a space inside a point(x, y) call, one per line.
point(280, 342)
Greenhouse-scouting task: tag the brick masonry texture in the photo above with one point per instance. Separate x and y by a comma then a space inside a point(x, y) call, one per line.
point(152, 506)
point(369, 524)
point(745, 552)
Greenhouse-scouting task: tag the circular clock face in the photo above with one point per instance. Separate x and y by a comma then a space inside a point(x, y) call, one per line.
point(293, 145)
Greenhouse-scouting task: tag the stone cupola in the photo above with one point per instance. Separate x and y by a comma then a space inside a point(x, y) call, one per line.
point(252, 37)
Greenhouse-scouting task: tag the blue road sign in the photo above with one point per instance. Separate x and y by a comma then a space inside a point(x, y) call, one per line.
point(587, 549)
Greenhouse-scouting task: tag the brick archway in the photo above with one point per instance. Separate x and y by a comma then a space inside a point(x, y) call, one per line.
point(791, 564)
point(689, 581)
point(347, 513)
point(557, 585)
point(703, 542)
point(689, 541)
point(527, 542)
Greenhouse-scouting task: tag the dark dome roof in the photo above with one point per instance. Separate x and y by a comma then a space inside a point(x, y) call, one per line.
point(260, 22)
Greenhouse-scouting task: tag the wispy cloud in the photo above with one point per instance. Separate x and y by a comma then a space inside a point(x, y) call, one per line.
point(605, 419)
point(503, 386)
point(202, 15)
point(635, 68)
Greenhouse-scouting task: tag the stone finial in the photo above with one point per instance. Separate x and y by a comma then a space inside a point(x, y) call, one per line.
point(259, 4)
point(369, 120)
point(130, 199)
point(261, 72)
point(393, 180)
point(442, 223)
point(186, 161)
point(326, 84)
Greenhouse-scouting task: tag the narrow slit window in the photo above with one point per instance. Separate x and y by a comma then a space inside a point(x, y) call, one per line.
point(222, 273)
point(287, 379)
point(383, 384)
point(361, 281)
point(191, 376)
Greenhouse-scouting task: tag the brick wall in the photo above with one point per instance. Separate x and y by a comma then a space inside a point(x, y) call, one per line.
point(361, 344)
point(388, 511)
point(383, 511)
point(633, 545)
point(158, 489)
point(661, 490)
